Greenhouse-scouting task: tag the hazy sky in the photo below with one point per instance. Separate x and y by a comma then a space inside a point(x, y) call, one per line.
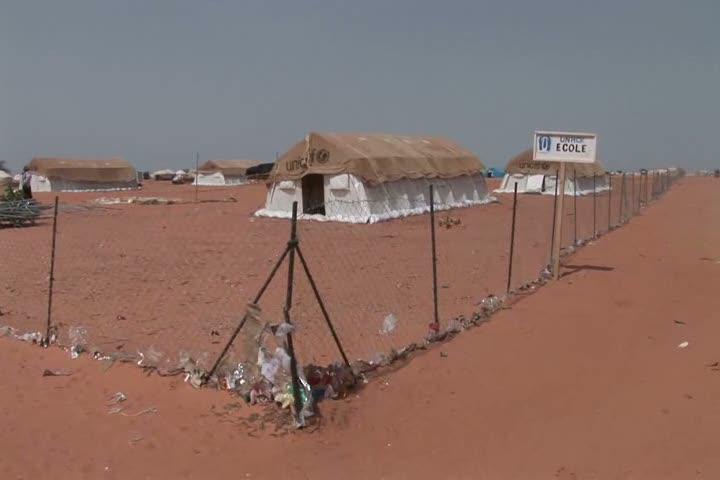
point(157, 80)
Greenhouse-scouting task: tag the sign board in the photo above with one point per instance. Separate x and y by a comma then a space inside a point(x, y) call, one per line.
point(565, 147)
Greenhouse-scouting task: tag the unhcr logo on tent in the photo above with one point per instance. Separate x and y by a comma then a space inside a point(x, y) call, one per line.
point(321, 157)
point(544, 143)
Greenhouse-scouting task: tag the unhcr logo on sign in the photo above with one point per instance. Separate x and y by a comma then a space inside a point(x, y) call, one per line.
point(544, 143)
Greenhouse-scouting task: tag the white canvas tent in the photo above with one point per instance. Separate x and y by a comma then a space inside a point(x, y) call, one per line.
point(224, 172)
point(81, 174)
point(540, 177)
point(366, 178)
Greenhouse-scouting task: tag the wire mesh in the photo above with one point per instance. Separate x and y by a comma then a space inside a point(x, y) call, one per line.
point(157, 283)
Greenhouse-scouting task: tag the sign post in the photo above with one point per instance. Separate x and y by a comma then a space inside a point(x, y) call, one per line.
point(563, 148)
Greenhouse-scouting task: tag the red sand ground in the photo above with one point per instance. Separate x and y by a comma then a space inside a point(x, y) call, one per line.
point(582, 380)
point(167, 276)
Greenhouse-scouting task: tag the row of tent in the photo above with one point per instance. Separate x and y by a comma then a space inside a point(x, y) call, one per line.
point(361, 178)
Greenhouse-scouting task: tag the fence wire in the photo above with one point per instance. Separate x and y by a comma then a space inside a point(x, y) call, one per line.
point(161, 283)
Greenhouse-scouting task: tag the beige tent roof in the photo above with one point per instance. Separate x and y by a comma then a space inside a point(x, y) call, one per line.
point(524, 164)
point(114, 169)
point(231, 166)
point(376, 158)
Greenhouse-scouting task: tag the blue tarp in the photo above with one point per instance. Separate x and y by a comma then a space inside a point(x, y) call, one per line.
point(495, 172)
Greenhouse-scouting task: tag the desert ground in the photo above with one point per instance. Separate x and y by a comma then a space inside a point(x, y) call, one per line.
point(610, 372)
point(177, 278)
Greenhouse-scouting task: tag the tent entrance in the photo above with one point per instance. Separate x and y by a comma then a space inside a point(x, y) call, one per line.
point(313, 194)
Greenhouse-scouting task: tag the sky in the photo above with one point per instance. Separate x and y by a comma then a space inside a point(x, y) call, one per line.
point(157, 81)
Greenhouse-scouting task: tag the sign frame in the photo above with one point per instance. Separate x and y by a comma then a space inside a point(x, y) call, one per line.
point(566, 158)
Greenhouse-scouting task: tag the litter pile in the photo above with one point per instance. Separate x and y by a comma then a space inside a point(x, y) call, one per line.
point(18, 213)
point(269, 379)
point(136, 200)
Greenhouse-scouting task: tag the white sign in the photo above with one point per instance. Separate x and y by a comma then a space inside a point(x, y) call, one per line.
point(565, 147)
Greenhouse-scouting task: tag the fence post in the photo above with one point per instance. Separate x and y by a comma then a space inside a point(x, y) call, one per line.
point(609, 200)
point(621, 218)
point(632, 193)
point(295, 379)
point(197, 175)
point(512, 240)
point(594, 206)
point(436, 313)
point(575, 214)
point(51, 281)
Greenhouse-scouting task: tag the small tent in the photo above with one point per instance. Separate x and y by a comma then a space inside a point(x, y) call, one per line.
point(164, 175)
point(224, 172)
point(365, 178)
point(81, 174)
point(540, 177)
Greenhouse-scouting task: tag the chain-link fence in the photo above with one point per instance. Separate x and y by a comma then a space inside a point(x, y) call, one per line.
point(160, 283)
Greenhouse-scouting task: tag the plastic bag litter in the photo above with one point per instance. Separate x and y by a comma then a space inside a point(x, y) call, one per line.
point(389, 324)
point(119, 397)
point(239, 379)
point(283, 329)
point(78, 340)
point(34, 337)
point(455, 326)
point(272, 365)
point(149, 358)
point(491, 302)
point(378, 358)
point(287, 399)
point(6, 331)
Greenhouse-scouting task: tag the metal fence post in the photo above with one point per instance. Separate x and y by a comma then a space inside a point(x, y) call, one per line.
point(621, 218)
point(555, 200)
point(610, 201)
point(436, 311)
point(512, 240)
point(575, 213)
point(295, 378)
point(51, 280)
point(594, 206)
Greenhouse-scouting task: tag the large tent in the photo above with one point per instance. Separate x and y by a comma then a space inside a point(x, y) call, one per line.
point(81, 174)
point(365, 178)
point(224, 171)
point(540, 177)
